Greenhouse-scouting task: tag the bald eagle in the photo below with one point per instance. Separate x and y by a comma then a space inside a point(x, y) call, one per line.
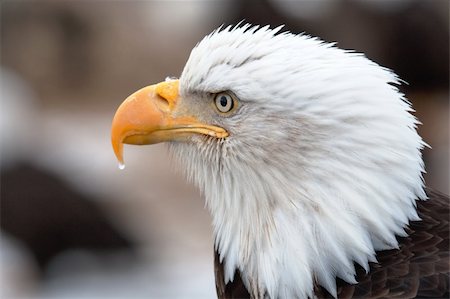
point(310, 164)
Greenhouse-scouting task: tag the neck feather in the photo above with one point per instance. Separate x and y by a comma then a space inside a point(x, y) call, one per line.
point(285, 233)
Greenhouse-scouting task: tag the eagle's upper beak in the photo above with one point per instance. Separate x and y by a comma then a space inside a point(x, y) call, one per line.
point(149, 116)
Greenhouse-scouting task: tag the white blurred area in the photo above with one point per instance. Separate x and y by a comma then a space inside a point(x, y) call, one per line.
point(67, 65)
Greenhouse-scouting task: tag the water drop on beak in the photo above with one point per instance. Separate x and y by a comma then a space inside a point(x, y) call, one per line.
point(121, 166)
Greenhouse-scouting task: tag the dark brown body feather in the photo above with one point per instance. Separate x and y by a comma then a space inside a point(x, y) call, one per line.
point(419, 269)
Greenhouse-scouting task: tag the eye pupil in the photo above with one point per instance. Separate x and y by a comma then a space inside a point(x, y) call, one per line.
point(223, 101)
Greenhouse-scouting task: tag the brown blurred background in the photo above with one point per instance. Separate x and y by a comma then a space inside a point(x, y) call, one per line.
point(72, 224)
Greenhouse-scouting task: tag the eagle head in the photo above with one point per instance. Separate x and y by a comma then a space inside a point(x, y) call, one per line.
point(307, 154)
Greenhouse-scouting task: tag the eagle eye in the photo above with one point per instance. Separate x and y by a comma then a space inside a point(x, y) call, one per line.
point(224, 102)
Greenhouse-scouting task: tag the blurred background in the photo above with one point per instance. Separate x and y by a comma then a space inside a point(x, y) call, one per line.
point(75, 226)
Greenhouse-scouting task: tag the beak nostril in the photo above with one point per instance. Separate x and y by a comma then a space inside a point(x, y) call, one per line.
point(162, 103)
point(166, 94)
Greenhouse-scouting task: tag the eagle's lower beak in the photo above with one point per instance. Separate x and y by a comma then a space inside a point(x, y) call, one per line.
point(147, 116)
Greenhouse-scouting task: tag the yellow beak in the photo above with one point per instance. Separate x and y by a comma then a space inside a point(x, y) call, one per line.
point(147, 117)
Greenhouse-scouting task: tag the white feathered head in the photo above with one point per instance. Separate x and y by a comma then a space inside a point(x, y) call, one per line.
point(307, 154)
